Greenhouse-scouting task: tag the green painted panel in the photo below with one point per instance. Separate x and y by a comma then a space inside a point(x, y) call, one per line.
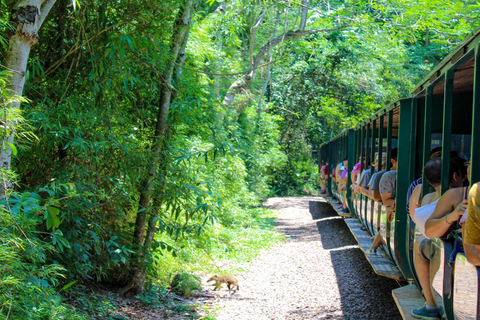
point(403, 182)
point(475, 144)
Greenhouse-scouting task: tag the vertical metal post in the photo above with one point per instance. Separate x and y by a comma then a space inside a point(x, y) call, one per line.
point(413, 137)
point(371, 214)
point(389, 138)
point(368, 136)
point(374, 142)
point(360, 199)
point(351, 163)
point(330, 162)
point(475, 144)
point(380, 138)
point(368, 164)
point(409, 175)
point(447, 128)
point(362, 149)
point(403, 181)
point(427, 134)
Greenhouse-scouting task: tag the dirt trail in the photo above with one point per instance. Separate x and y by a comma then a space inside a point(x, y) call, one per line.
point(317, 273)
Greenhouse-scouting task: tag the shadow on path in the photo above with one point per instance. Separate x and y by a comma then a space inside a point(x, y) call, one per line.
point(362, 292)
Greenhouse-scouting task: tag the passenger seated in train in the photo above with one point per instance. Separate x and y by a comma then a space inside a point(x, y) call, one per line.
point(452, 204)
point(387, 194)
point(343, 172)
point(374, 183)
point(355, 174)
point(365, 178)
point(434, 153)
point(342, 179)
point(471, 228)
point(323, 177)
point(331, 171)
point(423, 246)
point(338, 172)
point(388, 182)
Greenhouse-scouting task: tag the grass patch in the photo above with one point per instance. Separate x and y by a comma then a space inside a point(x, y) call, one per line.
point(222, 248)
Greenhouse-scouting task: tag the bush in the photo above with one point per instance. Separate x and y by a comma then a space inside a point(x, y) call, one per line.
point(185, 284)
point(27, 281)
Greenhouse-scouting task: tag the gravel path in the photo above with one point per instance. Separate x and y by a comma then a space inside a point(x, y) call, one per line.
point(317, 273)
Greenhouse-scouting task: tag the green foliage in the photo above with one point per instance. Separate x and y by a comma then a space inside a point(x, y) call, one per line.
point(27, 282)
point(220, 248)
point(185, 284)
point(84, 139)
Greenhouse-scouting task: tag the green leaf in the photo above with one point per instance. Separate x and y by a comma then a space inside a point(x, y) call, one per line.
point(50, 192)
point(130, 44)
point(14, 149)
point(52, 217)
point(68, 285)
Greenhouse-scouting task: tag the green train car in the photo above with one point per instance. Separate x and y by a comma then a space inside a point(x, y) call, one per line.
point(442, 111)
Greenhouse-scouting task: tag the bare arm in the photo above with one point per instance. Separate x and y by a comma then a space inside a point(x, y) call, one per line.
point(449, 209)
point(413, 203)
point(387, 199)
point(376, 195)
point(365, 191)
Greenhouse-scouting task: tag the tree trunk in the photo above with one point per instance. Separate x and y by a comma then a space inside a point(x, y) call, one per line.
point(244, 81)
point(142, 237)
point(27, 18)
point(304, 15)
point(267, 75)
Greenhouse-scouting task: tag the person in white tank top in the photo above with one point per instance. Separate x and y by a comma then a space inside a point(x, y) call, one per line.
point(423, 250)
point(422, 246)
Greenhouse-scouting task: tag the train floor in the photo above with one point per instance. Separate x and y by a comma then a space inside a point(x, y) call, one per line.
point(318, 272)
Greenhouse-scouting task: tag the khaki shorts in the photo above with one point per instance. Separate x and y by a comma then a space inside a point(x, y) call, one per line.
point(427, 251)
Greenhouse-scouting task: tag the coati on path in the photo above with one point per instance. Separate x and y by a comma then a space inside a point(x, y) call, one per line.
point(225, 278)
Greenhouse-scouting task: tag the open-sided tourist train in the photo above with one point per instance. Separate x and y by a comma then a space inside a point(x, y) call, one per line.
point(443, 110)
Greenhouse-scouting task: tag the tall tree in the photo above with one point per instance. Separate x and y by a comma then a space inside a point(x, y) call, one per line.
point(27, 19)
point(143, 236)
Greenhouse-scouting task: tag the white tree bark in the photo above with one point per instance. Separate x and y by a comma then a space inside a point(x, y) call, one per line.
point(28, 16)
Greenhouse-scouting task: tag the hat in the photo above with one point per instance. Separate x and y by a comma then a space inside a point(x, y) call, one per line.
point(356, 168)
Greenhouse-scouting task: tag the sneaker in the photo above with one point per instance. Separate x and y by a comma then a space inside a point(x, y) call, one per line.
point(423, 313)
point(371, 251)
